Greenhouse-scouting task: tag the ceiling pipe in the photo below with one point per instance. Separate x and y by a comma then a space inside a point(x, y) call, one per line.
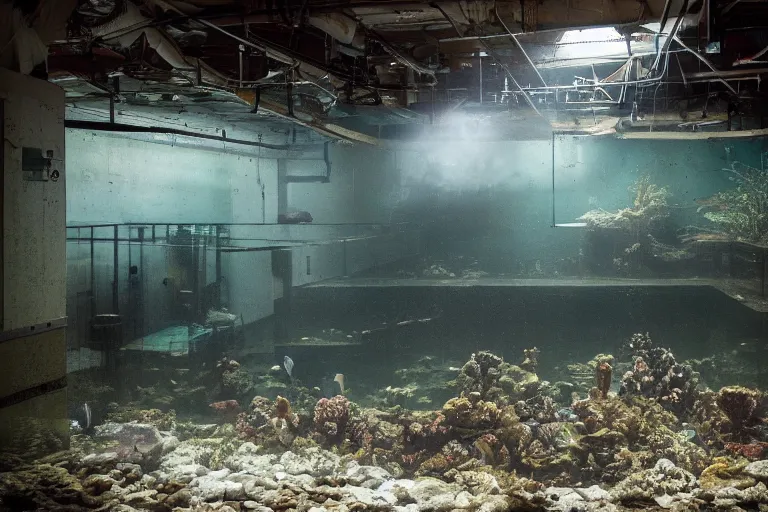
point(733, 74)
point(514, 38)
point(673, 34)
point(707, 63)
point(664, 15)
point(100, 126)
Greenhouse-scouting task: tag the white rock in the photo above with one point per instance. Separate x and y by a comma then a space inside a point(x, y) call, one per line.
point(425, 489)
point(368, 476)
point(300, 480)
point(186, 454)
point(248, 449)
point(234, 491)
point(184, 473)
point(369, 496)
point(254, 464)
point(463, 500)
point(220, 474)
point(99, 459)
point(439, 503)
point(389, 485)
point(758, 469)
point(208, 488)
point(554, 493)
point(593, 493)
point(664, 501)
point(313, 461)
point(495, 504)
point(148, 480)
point(170, 443)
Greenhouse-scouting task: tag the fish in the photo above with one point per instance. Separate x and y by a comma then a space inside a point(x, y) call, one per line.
point(225, 406)
point(340, 379)
point(288, 365)
point(88, 418)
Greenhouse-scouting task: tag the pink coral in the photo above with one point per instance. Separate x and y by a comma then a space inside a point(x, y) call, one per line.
point(752, 451)
point(331, 417)
point(243, 427)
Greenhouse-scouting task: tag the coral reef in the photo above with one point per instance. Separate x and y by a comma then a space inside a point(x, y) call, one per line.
point(331, 417)
point(607, 451)
point(649, 205)
point(498, 381)
point(603, 376)
point(423, 385)
point(161, 420)
point(741, 212)
point(656, 374)
point(581, 377)
point(739, 405)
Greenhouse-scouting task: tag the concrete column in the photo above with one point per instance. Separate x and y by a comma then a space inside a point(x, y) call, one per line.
point(33, 408)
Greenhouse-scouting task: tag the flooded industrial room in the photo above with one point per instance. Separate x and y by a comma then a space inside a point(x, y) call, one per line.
point(384, 255)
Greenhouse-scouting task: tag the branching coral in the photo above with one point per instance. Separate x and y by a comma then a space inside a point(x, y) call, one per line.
point(741, 212)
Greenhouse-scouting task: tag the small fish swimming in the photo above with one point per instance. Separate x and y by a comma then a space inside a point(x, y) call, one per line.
point(288, 365)
point(339, 378)
point(87, 411)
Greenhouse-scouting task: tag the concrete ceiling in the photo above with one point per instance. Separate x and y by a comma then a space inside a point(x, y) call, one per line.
point(377, 71)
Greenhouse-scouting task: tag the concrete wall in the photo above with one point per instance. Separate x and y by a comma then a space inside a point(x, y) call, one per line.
point(364, 188)
point(365, 181)
point(116, 179)
point(32, 342)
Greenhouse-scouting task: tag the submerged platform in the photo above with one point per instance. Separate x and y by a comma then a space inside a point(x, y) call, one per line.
point(743, 291)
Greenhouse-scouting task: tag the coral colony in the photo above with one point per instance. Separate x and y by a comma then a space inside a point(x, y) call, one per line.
point(640, 431)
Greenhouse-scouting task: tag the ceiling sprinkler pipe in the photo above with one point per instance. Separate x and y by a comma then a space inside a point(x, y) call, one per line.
point(672, 35)
point(665, 15)
point(644, 81)
point(517, 42)
point(706, 63)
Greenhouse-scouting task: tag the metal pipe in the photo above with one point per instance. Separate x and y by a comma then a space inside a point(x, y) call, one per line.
point(273, 54)
point(644, 81)
point(116, 127)
point(517, 42)
point(706, 63)
point(115, 275)
point(665, 15)
point(672, 35)
point(445, 15)
point(511, 77)
point(554, 222)
point(733, 74)
point(480, 67)
point(401, 58)
point(240, 50)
